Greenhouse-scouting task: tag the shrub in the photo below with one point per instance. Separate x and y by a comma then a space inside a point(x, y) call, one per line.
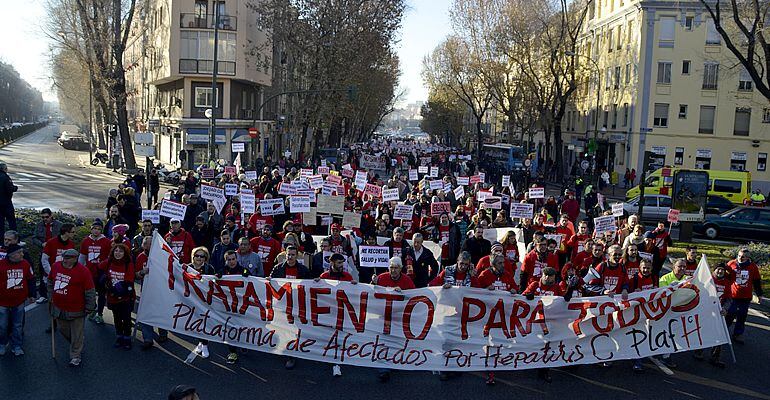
point(27, 218)
point(760, 253)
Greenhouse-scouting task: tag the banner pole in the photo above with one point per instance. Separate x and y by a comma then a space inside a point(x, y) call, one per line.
point(53, 338)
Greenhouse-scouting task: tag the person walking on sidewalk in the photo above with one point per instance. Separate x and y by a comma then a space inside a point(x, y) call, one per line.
point(7, 189)
point(72, 298)
point(19, 285)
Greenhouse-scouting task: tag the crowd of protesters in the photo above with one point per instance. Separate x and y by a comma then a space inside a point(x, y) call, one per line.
point(472, 243)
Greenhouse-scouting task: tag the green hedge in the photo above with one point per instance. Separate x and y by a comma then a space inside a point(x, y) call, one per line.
point(27, 218)
point(9, 135)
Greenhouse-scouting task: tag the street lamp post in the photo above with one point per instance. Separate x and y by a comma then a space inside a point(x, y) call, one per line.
point(214, 97)
point(598, 100)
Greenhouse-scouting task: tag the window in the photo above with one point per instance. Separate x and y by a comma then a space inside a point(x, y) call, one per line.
point(650, 201)
point(744, 81)
point(686, 67)
point(721, 185)
point(606, 117)
point(661, 115)
point(710, 75)
point(665, 202)
point(203, 97)
point(706, 124)
point(766, 115)
point(617, 77)
point(610, 36)
point(762, 162)
point(742, 121)
point(664, 72)
point(763, 215)
point(625, 114)
point(679, 156)
point(712, 35)
point(619, 37)
point(688, 23)
point(614, 116)
point(608, 79)
point(628, 73)
point(201, 8)
point(703, 160)
point(666, 38)
point(683, 111)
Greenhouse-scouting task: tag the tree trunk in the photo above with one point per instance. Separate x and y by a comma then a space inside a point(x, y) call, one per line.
point(479, 137)
point(557, 144)
point(119, 87)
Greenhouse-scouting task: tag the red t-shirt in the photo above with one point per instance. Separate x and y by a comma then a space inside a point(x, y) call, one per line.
point(632, 267)
point(723, 286)
point(291, 271)
point(267, 249)
point(613, 279)
point(577, 244)
point(538, 289)
point(182, 244)
point(344, 276)
point(404, 282)
point(141, 261)
point(337, 244)
point(95, 251)
point(257, 222)
point(69, 286)
point(690, 267)
point(54, 249)
point(743, 286)
point(116, 272)
point(13, 282)
point(534, 267)
point(457, 280)
point(641, 282)
point(506, 281)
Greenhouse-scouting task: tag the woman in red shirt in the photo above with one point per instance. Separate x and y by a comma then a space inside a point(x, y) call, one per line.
point(117, 276)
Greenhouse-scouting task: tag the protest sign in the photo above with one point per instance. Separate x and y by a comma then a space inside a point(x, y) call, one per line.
point(373, 190)
point(219, 204)
point(172, 209)
point(307, 192)
point(463, 180)
point(403, 211)
point(413, 176)
point(604, 224)
point(436, 184)
point(482, 177)
point(493, 203)
point(299, 204)
point(268, 207)
point(536, 193)
point(374, 256)
point(348, 173)
point(434, 172)
point(207, 173)
point(481, 195)
point(286, 189)
point(323, 164)
point(335, 179)
point(422, 169)
point(209, 192)
point(617, 210)
point(351, 220)
point(231, 171)
point(152, 215)
point(506, 180)
point(316, 181)
point(323, 170)
point(474, 179)
point(310, 218)
point(306, 172)
point(522, 210)
point(673, 215)
point(459, 192)
point(427, 329)
point(557, 238)
point(440, 207)
point(361, 180)
point(239, 147)
point(248, 203)
point(372, 162)
point(329, 189)
point(231, 189)
point(389, 194)
point(251, 175)
point(331, 205)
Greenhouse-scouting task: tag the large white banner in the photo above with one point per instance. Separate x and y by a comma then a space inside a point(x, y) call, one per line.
point(460, 329)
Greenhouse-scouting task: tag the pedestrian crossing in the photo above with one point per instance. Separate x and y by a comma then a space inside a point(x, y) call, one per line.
point(63, 177)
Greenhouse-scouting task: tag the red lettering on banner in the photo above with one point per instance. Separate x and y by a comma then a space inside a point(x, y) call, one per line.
point(359, 321)
point(496, 319)
point(465, 316)
point(656, 308)
point(610, 322)
point(388, 312)
point(686, 333)
point(250, 298)
point(583, 306)
point(216, 291)
point(408, 317)
point(232, 285)
point(690, 304)
point(315, 309)
point(625, 306)
point(302, 306)
point(190, 279)
point(272, 293)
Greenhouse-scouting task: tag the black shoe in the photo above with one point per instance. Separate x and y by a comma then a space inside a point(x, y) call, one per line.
point(290, 363)
point(147, 345)
point(545, 375)
point(127, 345)
point(162, 339)
point(118, 342)
point(443, 376)
point(718, 363)
point(738, 339)
point(383, 376)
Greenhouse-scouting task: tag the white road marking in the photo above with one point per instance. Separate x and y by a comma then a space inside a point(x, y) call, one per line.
point(662, 367)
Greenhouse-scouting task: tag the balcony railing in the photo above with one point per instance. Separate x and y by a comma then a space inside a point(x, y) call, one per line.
point(192, 66)
point(201, 21)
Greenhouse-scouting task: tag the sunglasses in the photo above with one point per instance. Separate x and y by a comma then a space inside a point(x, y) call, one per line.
point(199, 256)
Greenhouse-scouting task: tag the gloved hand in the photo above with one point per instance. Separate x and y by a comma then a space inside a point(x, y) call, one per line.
point(245, 273)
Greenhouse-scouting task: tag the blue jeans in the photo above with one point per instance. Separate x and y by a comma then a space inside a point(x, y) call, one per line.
point(12, 317)
point(148, 334)
point(738, 312)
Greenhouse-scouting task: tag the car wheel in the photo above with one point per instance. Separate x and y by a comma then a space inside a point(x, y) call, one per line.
point(712, 232)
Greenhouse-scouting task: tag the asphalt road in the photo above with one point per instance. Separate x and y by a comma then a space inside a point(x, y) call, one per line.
point(50, 176)
point(108, 373)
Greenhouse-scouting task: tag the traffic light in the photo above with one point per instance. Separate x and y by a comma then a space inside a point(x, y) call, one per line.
point(592, 146)
point(649, 162)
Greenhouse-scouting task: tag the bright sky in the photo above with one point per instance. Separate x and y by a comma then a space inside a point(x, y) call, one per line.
point(426, 24)
point(25, 47)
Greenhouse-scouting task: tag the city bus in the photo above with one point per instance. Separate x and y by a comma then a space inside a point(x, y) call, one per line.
point(506, 155)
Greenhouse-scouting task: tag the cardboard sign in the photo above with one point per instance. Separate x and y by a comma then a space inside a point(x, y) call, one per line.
point(463, 180)
point(604, 224)
point(323, 170)
point(617, 210)
point(348, 173)
point(482, 177)
point(323, 163)
point(482, 195)
point(389, 194)
point(219, 204)
point(522, 210)
point(172, 209)
point(372, 162)
point(413, 175)
point(231, 171)
point(152, 215)
point(506, 180)
point(231, 189)
point(329, 189)
point(251, 175)
point(307, 192)
point(422, 169)
point(536, 193)
point(373, 190)
point(440, 207)
point(403, 211)
point(269, 207)
point(434, 172)
point(459, 192)
point(475, 179)
point(335, 179)
point(248, 203)
point(493, 203)
point(209, 192)
point(374, 256)
point(207, 173)
point(287, 189)
point(239, 147)
point(310, 218)
point(361, 180)
point(673, 215)
point(316, 181)
point(436, 185)
point(351, 220)
point(299, 204)
point(331, 205)
point(305, 173)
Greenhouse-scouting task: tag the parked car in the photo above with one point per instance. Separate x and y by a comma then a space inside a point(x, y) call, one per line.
point(739, 223)
point(656, 206)
point(72, 141)
point(718, 205)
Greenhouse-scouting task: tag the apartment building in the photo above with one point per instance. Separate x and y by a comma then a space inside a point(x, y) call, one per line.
point(658, 78)
point(169, 60)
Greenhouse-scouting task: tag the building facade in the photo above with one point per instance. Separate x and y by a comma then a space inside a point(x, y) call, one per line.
point(658, 78)
point(169, 61)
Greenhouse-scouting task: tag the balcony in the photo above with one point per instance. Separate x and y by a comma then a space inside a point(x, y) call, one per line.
point(191, 66)
point(200, 21)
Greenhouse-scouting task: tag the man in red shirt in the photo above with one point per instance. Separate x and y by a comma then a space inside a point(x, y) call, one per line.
point(93, 250)
point(723, 280)
point(497, 278)
point(535, 261)
point(631, 260)
point(72, 297)
point(691, 260)
point(180, 240)
point(336, 272)
point(747, 280)
point(267, 248)
point(609, 277)
point(577, 243)
point(392, 279)
point(570, 206)
point(643, 279)
point(52, 251)
point(16, 285)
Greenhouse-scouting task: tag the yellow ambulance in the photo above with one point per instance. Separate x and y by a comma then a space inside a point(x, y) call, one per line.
point(732, 185)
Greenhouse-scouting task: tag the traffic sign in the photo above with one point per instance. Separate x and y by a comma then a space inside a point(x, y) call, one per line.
point(253, 133)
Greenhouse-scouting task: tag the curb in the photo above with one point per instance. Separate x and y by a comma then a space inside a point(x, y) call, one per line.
point(20, 137)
